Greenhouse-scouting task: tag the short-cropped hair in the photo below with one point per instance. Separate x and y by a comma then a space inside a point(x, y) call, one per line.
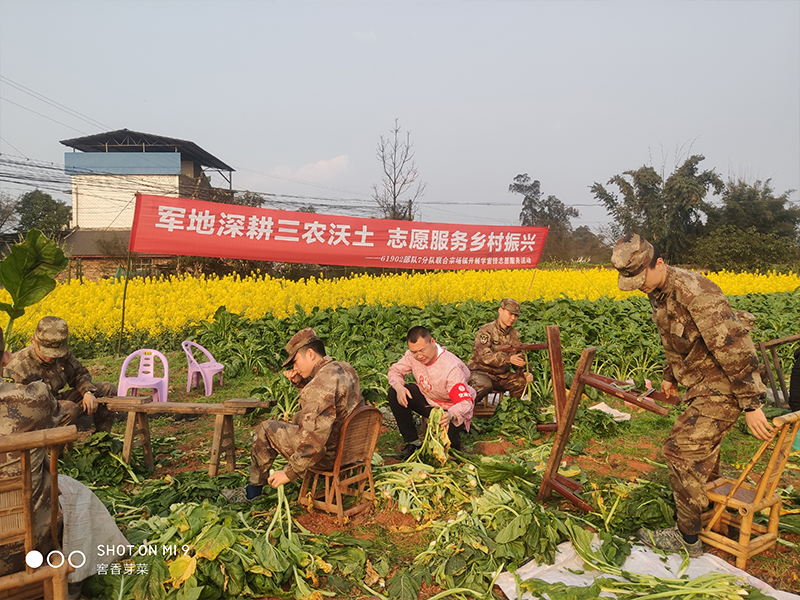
point(415, 333)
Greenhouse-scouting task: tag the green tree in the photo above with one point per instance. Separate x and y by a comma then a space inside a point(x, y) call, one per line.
point(667, 211)
point(588, 246)
point(545, 212)
point(38, 210)
point(730, 248)
point(755, 205)
point(248, 198)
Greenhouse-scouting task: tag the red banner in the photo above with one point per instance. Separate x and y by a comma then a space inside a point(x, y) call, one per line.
point(163, 225)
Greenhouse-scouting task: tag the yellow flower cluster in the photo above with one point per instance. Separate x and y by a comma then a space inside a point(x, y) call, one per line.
point(170, 304)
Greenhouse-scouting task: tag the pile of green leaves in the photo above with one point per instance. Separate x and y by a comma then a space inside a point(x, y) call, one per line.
point(429, 492)
point(622, 507)
point(515, 419)
point(426, 492)
point(502, 527)
point(225, 553)
point(596, 424)
point(99, 462)
point(475, 531)
point(155, 497)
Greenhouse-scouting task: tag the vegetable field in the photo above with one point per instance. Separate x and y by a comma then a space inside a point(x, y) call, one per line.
point(436, 530)
point(160, 312)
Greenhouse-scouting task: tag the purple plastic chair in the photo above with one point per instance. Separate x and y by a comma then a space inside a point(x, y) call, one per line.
point(206, 370)
point(146, 379)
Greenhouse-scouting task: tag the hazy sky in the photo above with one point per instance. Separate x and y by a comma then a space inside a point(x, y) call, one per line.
point(294, 95)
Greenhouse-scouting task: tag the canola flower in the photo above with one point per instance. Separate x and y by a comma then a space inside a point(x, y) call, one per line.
point(171, 304)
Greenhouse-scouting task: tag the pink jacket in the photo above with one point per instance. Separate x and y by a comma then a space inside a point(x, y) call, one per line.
point(436, 381)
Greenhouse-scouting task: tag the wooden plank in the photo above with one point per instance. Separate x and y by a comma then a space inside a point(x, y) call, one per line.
point(54, 497)
point(40, 438)
point(246, 402)
point(651, 394)
point(597, 383)
point(181, 408)
point(15, 580)
point(11, 484)
point(125, 400)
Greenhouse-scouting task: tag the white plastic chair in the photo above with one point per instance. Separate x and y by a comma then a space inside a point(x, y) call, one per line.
point(146, 379)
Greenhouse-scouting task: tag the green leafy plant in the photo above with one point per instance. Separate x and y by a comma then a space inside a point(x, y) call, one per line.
point(28, 272)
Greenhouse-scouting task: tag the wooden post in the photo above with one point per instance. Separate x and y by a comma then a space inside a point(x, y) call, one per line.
point(551, 480)
point(124, 298)
point(556, 369)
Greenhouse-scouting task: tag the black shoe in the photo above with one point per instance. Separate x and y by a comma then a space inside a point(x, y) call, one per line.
point(407, 451)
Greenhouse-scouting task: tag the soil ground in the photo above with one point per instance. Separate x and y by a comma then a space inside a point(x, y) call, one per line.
point(634, 454)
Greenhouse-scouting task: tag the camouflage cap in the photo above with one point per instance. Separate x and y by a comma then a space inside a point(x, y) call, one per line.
point(631, 257)
point(511, 306)
point(302, 338)
point(51, 337)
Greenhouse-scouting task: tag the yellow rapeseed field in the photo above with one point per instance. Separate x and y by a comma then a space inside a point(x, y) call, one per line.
point(164, 305)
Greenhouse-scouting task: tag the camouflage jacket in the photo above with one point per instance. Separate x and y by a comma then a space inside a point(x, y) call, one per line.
point(485, 357)
point(708, 349)
point(26, 408)
point(327, 397)
point(26, 367)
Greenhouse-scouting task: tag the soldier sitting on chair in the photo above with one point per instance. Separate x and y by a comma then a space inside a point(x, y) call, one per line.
point(495, 370)
point(26, 408)
point(329, 392)
point(49, 359)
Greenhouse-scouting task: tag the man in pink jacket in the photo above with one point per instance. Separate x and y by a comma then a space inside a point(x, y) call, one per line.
point(441, 381)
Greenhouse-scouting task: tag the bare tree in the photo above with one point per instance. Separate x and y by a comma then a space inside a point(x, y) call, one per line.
point(398, 191)
point(8, 211)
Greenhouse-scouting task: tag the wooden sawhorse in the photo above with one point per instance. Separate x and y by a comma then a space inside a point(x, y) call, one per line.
point(137, 431)
point(552, 480)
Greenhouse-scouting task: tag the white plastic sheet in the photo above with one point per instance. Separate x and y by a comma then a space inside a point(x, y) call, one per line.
point(642, 560)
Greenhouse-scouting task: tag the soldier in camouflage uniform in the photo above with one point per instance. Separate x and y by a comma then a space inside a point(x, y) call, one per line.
point(49, 359)
point(329, 392)
point(26, 408)
point(710, 352)
point(495, 370)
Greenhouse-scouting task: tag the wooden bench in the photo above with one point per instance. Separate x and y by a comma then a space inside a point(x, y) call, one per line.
point(137, 430)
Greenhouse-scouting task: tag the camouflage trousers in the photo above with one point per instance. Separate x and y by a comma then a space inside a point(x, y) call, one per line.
point(72, 407)
point(273, 438)
point(692, 454)
point(484, 384)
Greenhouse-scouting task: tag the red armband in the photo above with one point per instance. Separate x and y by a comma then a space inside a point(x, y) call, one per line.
point(458, 393)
